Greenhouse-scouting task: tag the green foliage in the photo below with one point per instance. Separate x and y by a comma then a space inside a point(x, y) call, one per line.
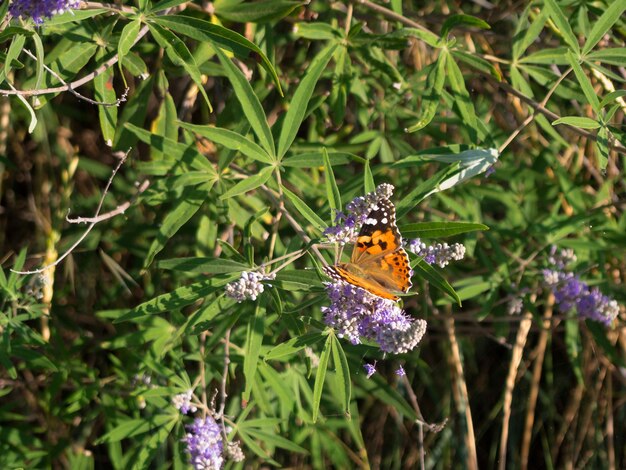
point(250, 127)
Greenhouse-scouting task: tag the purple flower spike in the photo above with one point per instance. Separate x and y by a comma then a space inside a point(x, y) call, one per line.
point(204, 444)
point(400, 372)
point(356, 314)
point(39, 10)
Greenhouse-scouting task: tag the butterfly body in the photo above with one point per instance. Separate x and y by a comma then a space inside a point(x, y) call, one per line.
point(378, 263)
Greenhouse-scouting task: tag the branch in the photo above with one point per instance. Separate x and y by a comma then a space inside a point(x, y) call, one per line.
point(81, 81)
point(74, 92)
point(94, 220)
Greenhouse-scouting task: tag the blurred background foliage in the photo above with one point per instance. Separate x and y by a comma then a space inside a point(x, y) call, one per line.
point(92, 351)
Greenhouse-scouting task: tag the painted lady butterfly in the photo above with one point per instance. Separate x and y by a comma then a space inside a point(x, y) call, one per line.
point(378, 263)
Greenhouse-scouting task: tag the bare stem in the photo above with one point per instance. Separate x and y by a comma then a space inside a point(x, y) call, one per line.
point(95, 219)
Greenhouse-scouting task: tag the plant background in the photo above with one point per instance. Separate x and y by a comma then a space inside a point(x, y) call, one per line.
point(92, 351)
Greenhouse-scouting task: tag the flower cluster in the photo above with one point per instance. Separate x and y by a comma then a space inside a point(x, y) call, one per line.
point(39, 10)
point(348, 224)
point(182, 402)
point(440, 253)
point(357, 314)
point(204, 444)
point(572, 293)
point(248, 286)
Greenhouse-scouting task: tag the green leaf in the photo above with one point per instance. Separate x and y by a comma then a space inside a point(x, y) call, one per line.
point(261, 11)
point(611, 55)
point(439, 229)
point(466, 20)
point(602, 26)
point(572, 346)
point(231, 140)
point(104, 92)
point(250, 104)
point(316, 159)
point(462, 97)
point(423, 189)
point(128, 37)
point(203, 265)
point(188, 204)
point(585, 84)
point(178, 298)
point(317, 31)
point(547, 56)
point(277, 441)
point(562, 23)
point(478, 63)
point(17, 44)
point(320, 377)
point(342, 372)
point(531, 32)
point(305, 211)
point(249, 183)
point(578, 121)
point(180, 55)
point(430, 102)
point(204, 31)
point(134, 427)
point(254, 341)
point(368, 179)
point(332, 190)
point(609, 98)
point(430, 274)
point(302, 96)
point(602, 147)
point(293, 345)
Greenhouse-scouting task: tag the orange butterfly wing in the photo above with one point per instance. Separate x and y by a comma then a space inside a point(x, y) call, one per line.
point(378, 263)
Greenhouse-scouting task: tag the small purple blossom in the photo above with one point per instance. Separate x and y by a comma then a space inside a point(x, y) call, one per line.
point(370, 369)
point(356, 314)
point(400, 372)
point(248, 286)
point(440, 253)
point(182, 402)
point(204, 444)
point(348, 223)
point(39, 10)
point(572, 293)
point(561, 259)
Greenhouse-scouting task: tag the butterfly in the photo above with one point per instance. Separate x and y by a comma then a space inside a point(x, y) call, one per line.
point(378, 263)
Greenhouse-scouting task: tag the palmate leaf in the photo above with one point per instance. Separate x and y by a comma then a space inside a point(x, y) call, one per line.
point(231, 140)
point(203, 31)
point(301, 98)
point(180, 55)
point(250, 103)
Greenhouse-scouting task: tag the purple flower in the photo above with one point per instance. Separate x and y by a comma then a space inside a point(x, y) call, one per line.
point(204, 444)
point(182, 402)
point(440, 253)
point(356, 314)
point(39, 10)
point(572, 293)
point(400, 372)
point(348, 224)
point(370, 369)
